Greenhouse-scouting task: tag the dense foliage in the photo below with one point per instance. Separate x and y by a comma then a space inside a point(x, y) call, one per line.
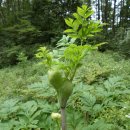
point(100, 99)
point(26, 24)
point(92, 87)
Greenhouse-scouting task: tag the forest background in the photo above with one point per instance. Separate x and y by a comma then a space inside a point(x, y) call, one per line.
point(27, 24)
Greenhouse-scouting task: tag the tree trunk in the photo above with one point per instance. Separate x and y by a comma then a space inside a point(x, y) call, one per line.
point(3, 18)
point(106, 14)
point(89, 3)
point(113, 22)
point(98, 9)
point(19, 5)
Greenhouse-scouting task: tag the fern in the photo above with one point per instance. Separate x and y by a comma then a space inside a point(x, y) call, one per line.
point(100, 125)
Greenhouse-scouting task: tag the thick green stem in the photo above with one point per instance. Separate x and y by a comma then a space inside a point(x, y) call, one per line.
point(58, 124)
point(81, 42)
point(63, 119)
point(73, 73)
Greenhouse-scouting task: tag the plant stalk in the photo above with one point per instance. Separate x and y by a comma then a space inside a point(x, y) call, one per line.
point(73, 74)
point(63, 119)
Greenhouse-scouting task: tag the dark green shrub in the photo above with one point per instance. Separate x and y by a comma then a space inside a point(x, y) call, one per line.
point(121, 42)
point(8, 56)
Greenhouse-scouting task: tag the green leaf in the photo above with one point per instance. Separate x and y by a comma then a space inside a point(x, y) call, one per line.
point(80, 33)
point(82, 27)
point(88, 99)
point(100, 44)
point(88, 14)
point(36, 114)
point(97, 108)
point(78, 17)
point(96, 30)
point(69, 22)
point(74, 35)
point(80, 11)
point(75, 25)
point(90, 35)
point(69, 30)
point(6, 125)
point(33, 110)
point(84, 7)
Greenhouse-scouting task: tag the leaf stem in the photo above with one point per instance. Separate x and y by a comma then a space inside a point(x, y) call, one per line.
point(63, 119)
point(73, 73)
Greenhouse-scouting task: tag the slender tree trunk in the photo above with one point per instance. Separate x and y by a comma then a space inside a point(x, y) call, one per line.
point(102, 11)
point(14, 11)
point(2, 14)
point(120, 13)
point(89, 3)
point(19, 5)
point(23, 5)
point(98, 9)
point(113, 22)
point(106, 11)
point(104, 8)
point(123, 16)
point(127, 13)
point(8, 7)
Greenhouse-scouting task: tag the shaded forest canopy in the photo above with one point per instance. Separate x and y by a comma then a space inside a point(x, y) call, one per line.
point(26, 24)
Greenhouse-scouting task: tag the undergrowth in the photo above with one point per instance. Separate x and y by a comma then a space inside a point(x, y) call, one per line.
point(18, 77)
point(100, 99)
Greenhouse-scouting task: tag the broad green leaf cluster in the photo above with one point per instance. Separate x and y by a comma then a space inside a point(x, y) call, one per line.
point(81, 27)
